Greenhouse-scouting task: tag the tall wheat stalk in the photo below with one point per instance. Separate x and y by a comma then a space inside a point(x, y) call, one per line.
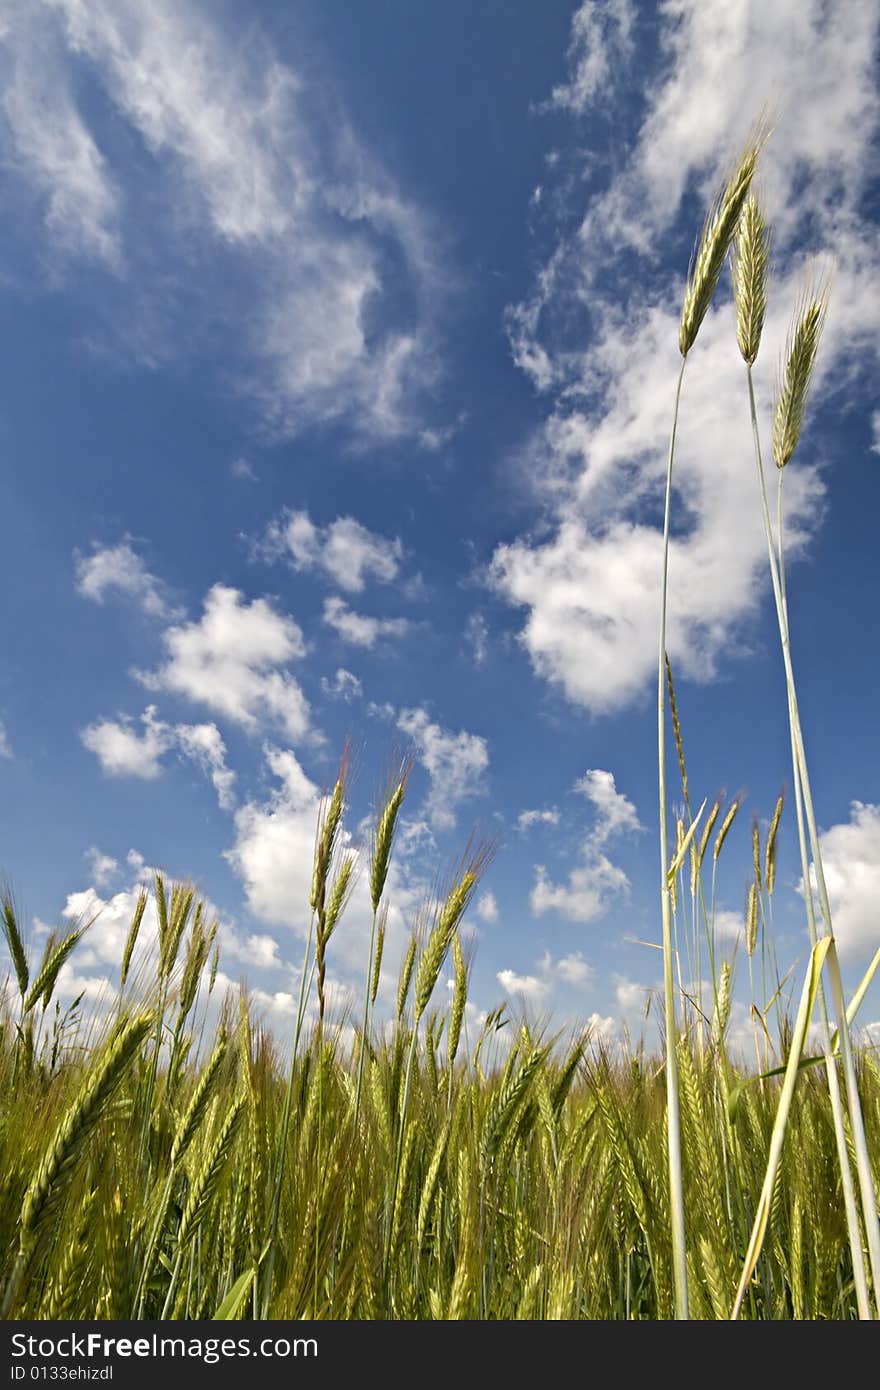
point(706, 268)
point(750, 270)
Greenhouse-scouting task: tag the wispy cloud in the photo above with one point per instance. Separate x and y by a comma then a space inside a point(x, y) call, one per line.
point(456, 764)
point(343, 686)
point(47, 141)
point(601, 42)
point(548, 816)
point(595, 882)
point(243, 163)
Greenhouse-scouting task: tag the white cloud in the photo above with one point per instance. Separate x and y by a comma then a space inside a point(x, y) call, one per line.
point(728, 926)
point(455, 763)
point(48, 143)
point(574, 970)
point(632, 997)
point(5, 750)
point(233, 660)
point(529, 987)
point(601, 42)
point(243, 163)
point(601, 1030)
point(526, 819)
point(476, 633)
point(102, 867)
point(118, 568)
point(615, 813)
point(343, 686)
point(487, 908)
point(242, 469)
point(588, 583)
point(571, 971)
point(123, 752)
point(592, 884)
point(586, 894)
point(275, 843)
point(851, 860)
point(103, 945)
point(203, 743)
point(273, 854)
point(346, 551)
point(258, 950)
point(359, 629)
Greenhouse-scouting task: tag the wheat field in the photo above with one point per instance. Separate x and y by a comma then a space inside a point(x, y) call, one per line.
point(163, 1155)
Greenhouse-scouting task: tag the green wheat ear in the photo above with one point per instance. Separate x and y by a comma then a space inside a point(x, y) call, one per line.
point(800, 358)
point(718, 233)
point(14, 941)
point(750, 260)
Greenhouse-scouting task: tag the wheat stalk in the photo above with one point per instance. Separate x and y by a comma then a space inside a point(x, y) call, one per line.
point(711, 252)
point(60, 1160)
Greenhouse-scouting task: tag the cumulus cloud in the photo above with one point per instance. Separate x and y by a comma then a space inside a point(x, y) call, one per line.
point(586, 894)
point(851, 860)
point(615, 813)
point(275, 843)
point(345, 551)
point(358, 628)
point(93, 969)
point(599, 336)
point(124, 752)
point(574, 970)
point(571, 971)
point(102, 947)
point(233, 660)
point(456, 764)
point(119, 569)
point(243, 164)
point(529, 987)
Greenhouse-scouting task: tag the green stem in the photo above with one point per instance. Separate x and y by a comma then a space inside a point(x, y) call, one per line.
point(804, 804)
point(673, 1119)
point(285, 1128)
point(363, 1042)
point(400, 1141)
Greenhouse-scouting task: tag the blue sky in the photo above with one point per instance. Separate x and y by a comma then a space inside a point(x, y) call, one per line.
point(338, 353)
